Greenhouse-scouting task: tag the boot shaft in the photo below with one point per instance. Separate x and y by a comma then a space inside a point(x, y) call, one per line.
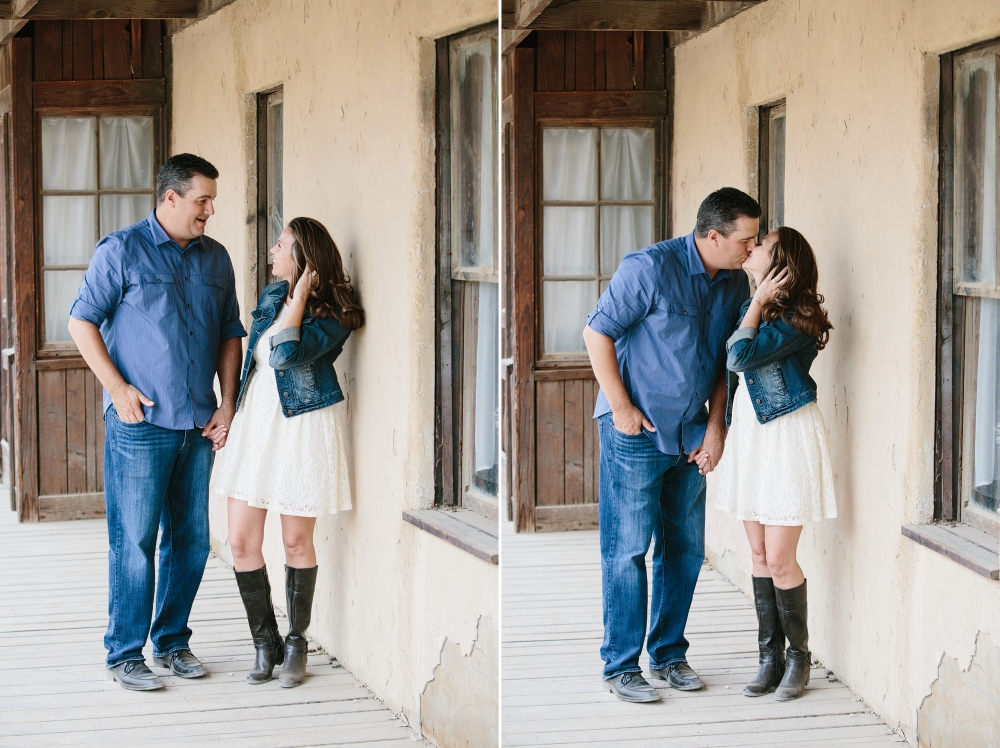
point(255, 591)
point(300, 586)
point(793, 611)
point(770, 636)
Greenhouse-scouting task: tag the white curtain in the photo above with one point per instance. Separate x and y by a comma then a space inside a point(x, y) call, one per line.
point(69, 229)
point(119, 211)
point(567, 304)
point(69, 153)
point(624, 229)
point(987, 420)
point(627, 164)
point(569, 163)
point(472, 170)
point(568, 240)
point(60, 290)
point(487, 376)
point(126, 153)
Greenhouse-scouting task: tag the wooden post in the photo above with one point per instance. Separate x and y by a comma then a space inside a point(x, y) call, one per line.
point(24, 281)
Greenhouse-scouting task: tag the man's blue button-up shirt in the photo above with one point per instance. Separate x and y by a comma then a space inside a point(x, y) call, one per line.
point(670, 321)
point(163, 312)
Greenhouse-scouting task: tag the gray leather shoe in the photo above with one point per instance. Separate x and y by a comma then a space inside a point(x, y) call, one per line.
point(679, 675)
point(135, 676)
point(183, 664)
point(631, 687)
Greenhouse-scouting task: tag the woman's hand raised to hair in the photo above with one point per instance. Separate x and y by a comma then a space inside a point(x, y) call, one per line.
point(768, 288)
point(305, 285)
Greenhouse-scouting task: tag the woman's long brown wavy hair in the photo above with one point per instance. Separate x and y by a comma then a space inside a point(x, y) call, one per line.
point(332, 293)
point(798, 303)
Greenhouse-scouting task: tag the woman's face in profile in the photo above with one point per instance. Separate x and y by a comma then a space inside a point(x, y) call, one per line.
point(281, 254)
point(760, 255)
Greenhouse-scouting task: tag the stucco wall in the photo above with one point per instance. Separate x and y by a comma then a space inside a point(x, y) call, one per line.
point(861, 83)
point(359, 81)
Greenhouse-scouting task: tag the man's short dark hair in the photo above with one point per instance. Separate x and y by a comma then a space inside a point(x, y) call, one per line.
point(722, 209)
point(178, 171)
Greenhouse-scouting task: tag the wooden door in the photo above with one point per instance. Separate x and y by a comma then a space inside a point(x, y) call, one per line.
point(86, 138)
point(582, 101)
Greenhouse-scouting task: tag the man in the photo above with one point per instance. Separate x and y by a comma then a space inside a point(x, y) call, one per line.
point(155, 319)
point(657, 342)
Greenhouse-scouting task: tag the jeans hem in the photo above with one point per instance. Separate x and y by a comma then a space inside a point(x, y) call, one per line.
point(184, 648)
point(674, 661)
point(122, 662)
point(622, 672)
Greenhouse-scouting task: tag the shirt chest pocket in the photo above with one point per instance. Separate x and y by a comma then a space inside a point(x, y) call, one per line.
point(208, 293)
point(158, 292)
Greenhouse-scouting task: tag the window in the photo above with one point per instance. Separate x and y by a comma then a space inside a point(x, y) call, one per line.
point(969, 313)
point(269, 181)
point(96, 178)
point(468, 281)
point(771, 168)
point(597, 205)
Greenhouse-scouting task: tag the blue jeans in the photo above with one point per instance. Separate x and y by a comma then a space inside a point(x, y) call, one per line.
point(647, 495)
point(153, 478)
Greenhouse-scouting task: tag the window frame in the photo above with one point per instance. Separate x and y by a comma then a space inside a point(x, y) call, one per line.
point(765, 160)
point(68, 348)
point(266, 175)
point(955, 314)
point(456, 294)
point(543, 359)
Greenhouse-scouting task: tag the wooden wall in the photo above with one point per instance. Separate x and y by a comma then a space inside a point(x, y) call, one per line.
point(98, 50)
point(568, 449)
point(600, 61)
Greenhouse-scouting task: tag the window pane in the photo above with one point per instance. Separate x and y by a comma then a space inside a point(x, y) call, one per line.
point(975, 171)
point(776, 171)
point(126, 153)
point(68, 228)
point(568, 240)
point(567, 304)
point(486, 456)
point(624, 229)
point(987, 434)
point(569, 164)
point(275, 164)
point(627, 164)
point(69, 153)
point(472, 145)
point(119, 211)
point(60, 290)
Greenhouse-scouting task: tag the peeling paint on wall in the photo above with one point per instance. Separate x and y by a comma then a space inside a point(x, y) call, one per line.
point(972, 692)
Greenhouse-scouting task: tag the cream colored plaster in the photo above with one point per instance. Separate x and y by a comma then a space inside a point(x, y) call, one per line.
point(861, 84)
point(359, 80)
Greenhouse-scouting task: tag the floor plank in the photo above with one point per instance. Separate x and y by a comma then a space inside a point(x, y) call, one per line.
point(53, 587)
point(552, 694)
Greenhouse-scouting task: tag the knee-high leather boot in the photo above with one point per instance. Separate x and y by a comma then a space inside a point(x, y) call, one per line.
point(770, 640)
point(255, 589)
point(793, 612)
point(300, 584)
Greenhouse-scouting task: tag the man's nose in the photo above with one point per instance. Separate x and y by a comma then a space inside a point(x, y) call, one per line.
point(210, 208)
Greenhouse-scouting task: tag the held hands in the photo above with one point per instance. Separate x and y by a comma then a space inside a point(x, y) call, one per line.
point(128, 402)
point(710, 452)
point(217, 428)
point(768, 288)
point(629, 419)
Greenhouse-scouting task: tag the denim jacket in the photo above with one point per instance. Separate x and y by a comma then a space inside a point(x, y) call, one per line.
point(302, 357)
point(775, 360)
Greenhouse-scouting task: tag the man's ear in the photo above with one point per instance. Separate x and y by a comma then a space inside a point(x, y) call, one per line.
point(713, 236)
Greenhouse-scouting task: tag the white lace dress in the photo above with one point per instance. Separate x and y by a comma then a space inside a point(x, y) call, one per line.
point(779, 472)
point(295, 465)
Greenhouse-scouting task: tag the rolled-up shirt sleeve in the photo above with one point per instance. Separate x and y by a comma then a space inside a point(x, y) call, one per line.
point(231, 326)
point(627, 299)
point(103, 284)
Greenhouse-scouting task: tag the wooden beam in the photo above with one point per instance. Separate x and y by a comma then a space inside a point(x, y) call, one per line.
point(511, 38)
point(528, 10)
point(83, 94)
point(626, 15)
point(104, 9)
point(8, 29)
point(716, 12)
point(594, 104)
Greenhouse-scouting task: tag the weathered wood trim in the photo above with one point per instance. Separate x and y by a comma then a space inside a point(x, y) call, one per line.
point(511, 38)
point(562, 374)
point(528, 10)
point(57, 507)
point(99, 94)
point(5, 100)
point(566, 517)
point(623, 15)
point(600, 104)
point(59, 10)
point(60, 364)
point(23, 276)
point(460, 528)
point(523, 282)
point(980, 556)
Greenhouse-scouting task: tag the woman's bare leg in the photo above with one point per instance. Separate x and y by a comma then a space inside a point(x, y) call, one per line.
point(780, 545)
point(246, 535)
point(758, 551)
point(297, 535)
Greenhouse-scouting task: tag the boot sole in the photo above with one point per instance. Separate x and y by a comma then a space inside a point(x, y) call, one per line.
point(131, 687)
point(754, 695)
point(636, 700)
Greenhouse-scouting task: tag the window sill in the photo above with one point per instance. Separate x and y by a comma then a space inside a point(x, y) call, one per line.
point(974, 549)
point(462, 528)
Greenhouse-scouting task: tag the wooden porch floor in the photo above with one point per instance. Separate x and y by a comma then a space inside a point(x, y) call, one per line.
point(552, 693)
point(55, 692)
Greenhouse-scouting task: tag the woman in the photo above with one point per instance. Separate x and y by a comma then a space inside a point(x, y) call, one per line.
point(775, 473)
point(285, 450)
